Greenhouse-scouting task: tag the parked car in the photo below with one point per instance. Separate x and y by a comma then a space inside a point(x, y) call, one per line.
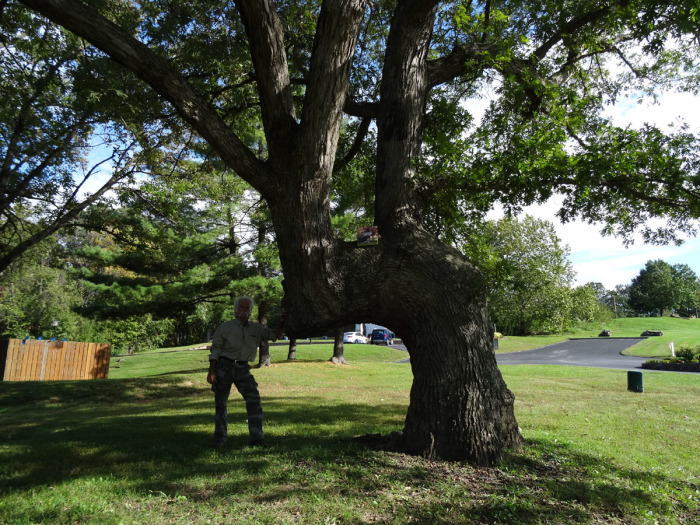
point(380, 336)
point(354, 337)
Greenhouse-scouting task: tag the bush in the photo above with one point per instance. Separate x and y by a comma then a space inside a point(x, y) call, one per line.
point(687, 354)
point(135, 334)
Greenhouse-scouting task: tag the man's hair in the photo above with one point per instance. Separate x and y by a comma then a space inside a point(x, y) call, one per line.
point(243, 298)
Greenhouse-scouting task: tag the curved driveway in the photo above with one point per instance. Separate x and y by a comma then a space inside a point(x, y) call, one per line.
point(603, 352)
point(598, 353)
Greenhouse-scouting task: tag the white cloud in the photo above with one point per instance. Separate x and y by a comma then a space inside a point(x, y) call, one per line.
point(671, 109)
point(605, 259)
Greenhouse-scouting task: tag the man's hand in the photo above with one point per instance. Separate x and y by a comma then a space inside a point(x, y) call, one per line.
point(211, 375)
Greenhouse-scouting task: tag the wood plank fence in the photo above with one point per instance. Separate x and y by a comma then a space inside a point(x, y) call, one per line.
point(40, 360)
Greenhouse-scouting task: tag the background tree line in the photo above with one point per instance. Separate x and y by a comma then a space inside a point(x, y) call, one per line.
point(156, 270)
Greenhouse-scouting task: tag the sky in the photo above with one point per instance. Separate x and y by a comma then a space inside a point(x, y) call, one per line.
point(604, 259)
point(597, 258)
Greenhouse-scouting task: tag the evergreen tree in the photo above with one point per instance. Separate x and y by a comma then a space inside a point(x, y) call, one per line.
point(184, 245)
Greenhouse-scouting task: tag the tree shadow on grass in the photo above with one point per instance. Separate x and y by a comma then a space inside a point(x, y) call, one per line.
point(153, 436)
point(553, 482)
point(54, 431)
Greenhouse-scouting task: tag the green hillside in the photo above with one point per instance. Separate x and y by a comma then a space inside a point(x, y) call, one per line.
point(680, 332)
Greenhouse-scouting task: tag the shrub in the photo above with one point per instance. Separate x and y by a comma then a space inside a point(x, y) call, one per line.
point(687, 353)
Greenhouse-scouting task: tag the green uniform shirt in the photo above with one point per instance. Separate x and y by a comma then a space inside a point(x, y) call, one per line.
point(240, 343)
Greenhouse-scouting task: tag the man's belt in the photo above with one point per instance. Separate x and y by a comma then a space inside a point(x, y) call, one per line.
point(234, 361)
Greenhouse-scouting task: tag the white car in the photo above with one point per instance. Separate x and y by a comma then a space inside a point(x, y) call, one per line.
point(354, 337)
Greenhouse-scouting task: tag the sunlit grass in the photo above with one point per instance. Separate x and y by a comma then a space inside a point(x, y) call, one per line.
point(136, 448)
point(678, 331)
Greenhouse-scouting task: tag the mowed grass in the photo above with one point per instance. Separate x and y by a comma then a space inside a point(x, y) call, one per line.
point(680, 332)
point(136, 448)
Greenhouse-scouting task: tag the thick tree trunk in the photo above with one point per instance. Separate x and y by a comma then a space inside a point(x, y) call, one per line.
point(338, 358)
point(426, 292)
point(460, 407)
point(423, 290)
point(435, 301)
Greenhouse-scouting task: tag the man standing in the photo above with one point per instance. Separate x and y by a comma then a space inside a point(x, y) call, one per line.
point(234, 344)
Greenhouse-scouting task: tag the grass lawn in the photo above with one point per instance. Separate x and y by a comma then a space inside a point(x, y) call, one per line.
point(136, 448)
point(679, 331)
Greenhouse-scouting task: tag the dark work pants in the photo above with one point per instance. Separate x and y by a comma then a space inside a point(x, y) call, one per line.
point(236, 373)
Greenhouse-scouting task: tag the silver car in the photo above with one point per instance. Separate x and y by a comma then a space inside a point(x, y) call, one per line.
point(354, 337)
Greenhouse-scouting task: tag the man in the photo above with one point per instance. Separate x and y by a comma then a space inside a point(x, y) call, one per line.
point(234, 344)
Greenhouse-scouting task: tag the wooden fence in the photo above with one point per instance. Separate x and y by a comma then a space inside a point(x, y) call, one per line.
point(37, 360)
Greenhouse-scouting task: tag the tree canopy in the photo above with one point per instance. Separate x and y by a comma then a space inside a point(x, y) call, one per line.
point(660, 288)
point(62, 126)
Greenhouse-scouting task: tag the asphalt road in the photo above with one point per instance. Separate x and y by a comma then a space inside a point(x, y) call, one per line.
point(597, 353)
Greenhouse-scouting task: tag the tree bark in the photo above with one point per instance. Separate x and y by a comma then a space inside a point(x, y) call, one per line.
point(338, 358)
point(264, 350)
point(460, 407)
point(292, 354)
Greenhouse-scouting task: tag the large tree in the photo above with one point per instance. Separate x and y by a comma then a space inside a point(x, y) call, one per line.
point(527, 271)
point(415, 60)
point(687, 290)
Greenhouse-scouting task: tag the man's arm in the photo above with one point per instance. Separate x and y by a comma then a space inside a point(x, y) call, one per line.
point(216, 345)
point(211, 375)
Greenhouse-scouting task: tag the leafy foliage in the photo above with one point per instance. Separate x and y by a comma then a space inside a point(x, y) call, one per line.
point(527, 272)
point(688, 353)
point(587, 307)
point(180, 247)
point(40, 291)
point(67, 132)
point(660, 287)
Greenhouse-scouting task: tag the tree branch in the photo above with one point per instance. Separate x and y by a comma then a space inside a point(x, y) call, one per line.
point(487, 19)
point(337, 33)
point(156, 72)
point(361, 109)
point(356, 145)
point(571, 27)
point(459, 62)
point(61, 221)
point(266, 41)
